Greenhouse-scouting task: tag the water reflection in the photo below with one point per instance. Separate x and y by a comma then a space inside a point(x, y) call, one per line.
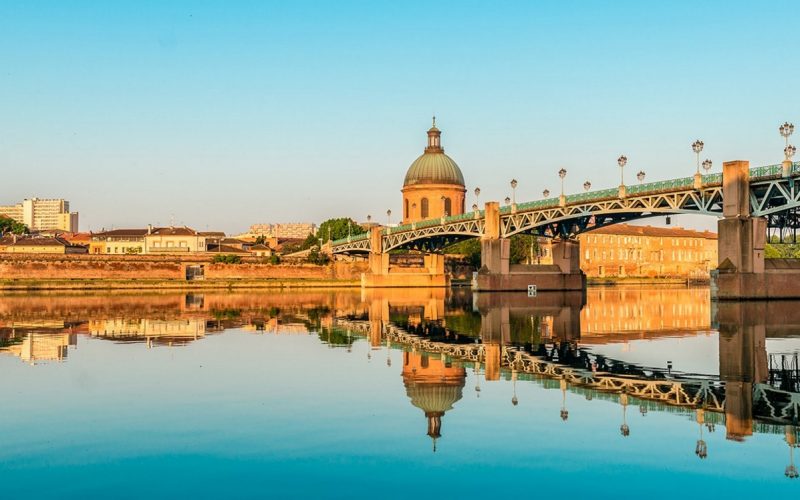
point(554, 341)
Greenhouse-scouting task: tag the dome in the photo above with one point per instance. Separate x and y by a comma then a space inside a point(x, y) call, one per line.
point(433, 398)
point(434, 167)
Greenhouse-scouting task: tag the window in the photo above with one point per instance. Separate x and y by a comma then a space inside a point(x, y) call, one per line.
point(448, 206)
point(406, 208)
point(424, 208)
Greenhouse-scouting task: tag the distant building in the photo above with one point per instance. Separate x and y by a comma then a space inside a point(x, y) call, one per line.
point(173, 240)
point(118, 241)
point(290, 230)
point(623, 250)
point(148, 240)
point(43, 214)
point(57, 245)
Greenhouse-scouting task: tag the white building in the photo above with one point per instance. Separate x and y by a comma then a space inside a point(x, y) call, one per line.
point(43, 214)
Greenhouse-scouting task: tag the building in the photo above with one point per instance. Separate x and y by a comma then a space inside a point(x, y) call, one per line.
point(290, 230)
point(434, 185)
point(623, 250)
point(118, 242)
point(148, 240)
point(56, 245)
point(173, 240)
point(43, 214)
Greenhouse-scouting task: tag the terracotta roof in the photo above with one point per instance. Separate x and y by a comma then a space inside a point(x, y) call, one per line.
point(174, 231)
point(214, 248)
point(213, 234)
point(122, 232)
point(674, 232)
point(259, 247)
point(41, 242)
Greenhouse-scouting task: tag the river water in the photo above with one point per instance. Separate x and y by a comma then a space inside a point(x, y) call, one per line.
point(652, 392)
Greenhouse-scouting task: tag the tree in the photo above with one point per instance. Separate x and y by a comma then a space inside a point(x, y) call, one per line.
point(333, 229)
point(261, 240)
point(9, 225)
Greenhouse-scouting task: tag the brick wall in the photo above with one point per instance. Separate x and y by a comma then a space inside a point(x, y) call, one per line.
point(160, 267)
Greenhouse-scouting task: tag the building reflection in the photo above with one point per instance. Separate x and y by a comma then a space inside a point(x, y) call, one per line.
point(433, 385)
point(499, 336)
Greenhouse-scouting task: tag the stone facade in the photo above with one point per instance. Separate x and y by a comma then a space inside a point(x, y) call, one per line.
point(644, 251)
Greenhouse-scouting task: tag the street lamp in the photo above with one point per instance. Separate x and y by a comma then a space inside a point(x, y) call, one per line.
point(508, 200)
point(514, 191)
point(562, 173)
point(789, 151)
point(587, 186)
point(622, 161)
point(477, 196)
point(389, 217)
point(640, 176)
point(786, 130)
point(369, 218)
point(474, 207)
point(697, 147)
point(546, 193)
point(707, 165)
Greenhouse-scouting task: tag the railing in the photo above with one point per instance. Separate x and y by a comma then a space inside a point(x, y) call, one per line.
point(682, 183)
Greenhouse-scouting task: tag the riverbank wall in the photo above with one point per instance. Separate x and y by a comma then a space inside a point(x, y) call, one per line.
point(39, 272)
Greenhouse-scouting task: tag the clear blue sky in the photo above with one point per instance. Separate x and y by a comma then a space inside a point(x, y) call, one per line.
point(224, 114)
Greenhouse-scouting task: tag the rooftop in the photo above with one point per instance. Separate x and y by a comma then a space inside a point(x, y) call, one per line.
point(675, 232)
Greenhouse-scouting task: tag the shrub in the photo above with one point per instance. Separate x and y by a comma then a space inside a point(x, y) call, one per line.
point(227, 259)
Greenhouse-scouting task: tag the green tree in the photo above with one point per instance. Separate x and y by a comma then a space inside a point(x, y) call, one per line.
point(522, 247)
point(226, 259)
point(9, 225)
point(335, 229)
point(261, 240)
point(315, 257)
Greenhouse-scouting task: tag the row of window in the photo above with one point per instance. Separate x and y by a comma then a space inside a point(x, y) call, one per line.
point(675, 242)
point(424, 208)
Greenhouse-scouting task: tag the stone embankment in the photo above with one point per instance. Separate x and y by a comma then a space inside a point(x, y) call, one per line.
point(35, 271)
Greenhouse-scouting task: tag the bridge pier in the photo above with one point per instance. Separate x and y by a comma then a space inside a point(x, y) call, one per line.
point(382, 274)
point(742, 363)
point(498, 274)
point(743, 273)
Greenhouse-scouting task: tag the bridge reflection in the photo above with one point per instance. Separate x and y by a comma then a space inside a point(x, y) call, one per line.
point(551, 340)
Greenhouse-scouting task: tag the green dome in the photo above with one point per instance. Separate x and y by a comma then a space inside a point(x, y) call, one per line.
point(434, 168)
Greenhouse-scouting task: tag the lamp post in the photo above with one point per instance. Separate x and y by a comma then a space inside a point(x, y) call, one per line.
point(587, 186)
point(389, 217)
point(369, 218)
point(508, 200)
point(622, 161)
point(640, 176)
point(478, 196)
point(707, 164)
point(546, 193)
point(562, 200)
point(514, 191)
point(474, 207)
point(697, 147)
point(786, 130)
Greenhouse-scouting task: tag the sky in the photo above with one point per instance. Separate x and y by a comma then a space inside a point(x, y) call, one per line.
point(220, 115)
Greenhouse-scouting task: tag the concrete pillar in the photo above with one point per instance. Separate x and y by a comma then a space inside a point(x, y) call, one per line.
point(495, 255)
point(491, 227)
point(741, 237)
point(567, 255)
point(742, 362)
